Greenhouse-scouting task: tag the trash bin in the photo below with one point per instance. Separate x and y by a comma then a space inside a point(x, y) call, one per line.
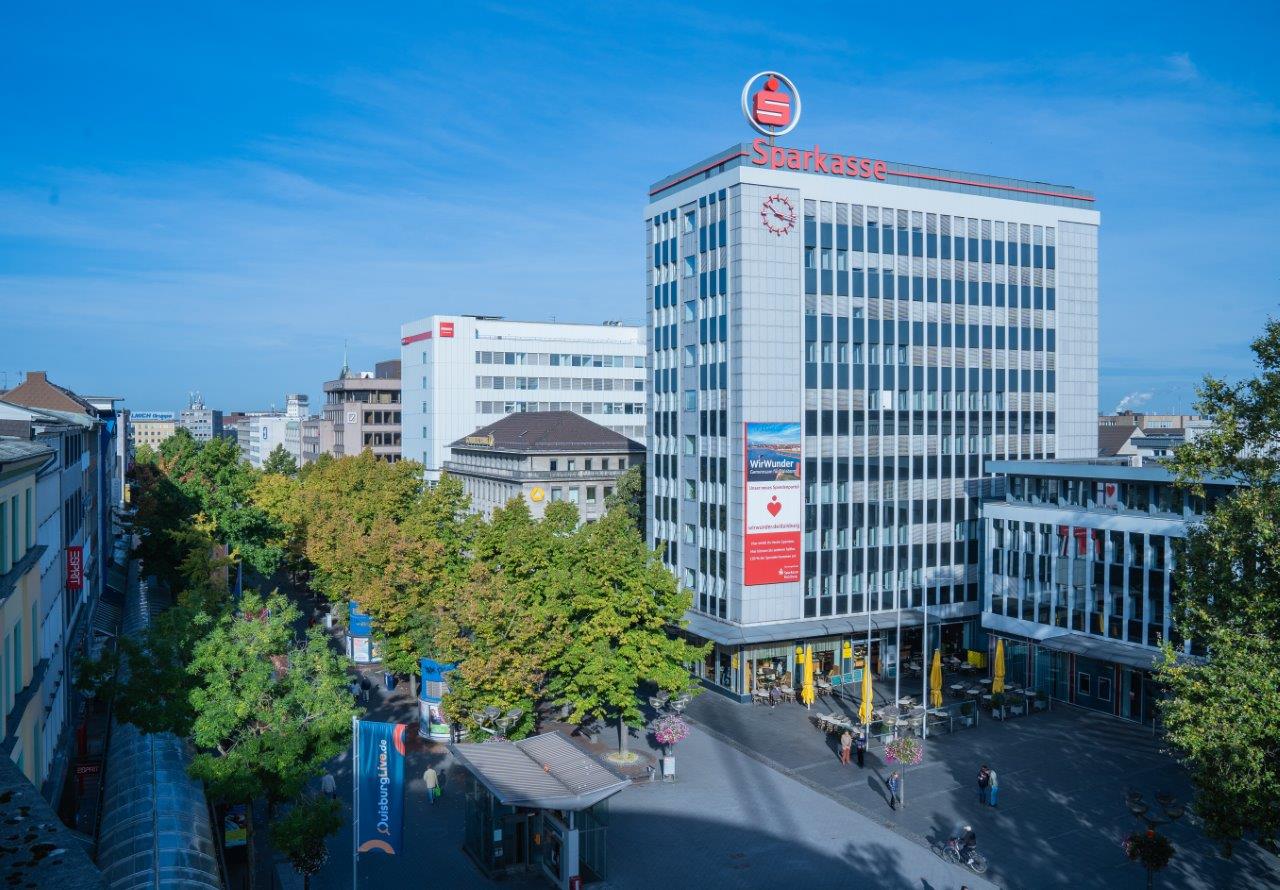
point(390, 679)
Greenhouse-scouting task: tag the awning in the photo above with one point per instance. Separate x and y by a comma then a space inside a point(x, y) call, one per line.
point(846, 626)
point(106, 619)
point(545, 771)
point(1104, 650)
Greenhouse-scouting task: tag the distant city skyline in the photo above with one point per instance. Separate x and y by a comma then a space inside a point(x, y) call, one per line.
point(218, 206)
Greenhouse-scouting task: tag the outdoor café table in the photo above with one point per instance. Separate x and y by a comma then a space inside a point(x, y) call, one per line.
point(906, 701)
point(956, 688)
point(973, 691)
point(986, 681)
point(950, 718)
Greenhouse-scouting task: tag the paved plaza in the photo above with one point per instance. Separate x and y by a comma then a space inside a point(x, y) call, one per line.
point(1061, 813)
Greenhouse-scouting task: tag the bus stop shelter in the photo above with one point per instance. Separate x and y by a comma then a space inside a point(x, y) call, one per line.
point(539, 804)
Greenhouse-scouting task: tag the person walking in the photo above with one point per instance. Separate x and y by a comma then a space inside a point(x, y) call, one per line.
point(862, 748)
point(365, 686)
point(984, 779)
point(328, 786)
point(993, 785)
point(895, 790)
point(775, 695)
point(846, 743)
point(433, 784)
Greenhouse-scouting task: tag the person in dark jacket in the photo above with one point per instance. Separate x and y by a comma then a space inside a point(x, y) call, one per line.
point(895, 790)
point(984, 780)
point(861, 744)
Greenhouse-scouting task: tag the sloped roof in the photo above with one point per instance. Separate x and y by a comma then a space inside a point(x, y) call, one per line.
point(15, 450)
point(1112, 438)
point(545, 771)
point(36, 391)
point(548, 431)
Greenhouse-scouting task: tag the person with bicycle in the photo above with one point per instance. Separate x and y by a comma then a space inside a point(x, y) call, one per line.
point(966, 844)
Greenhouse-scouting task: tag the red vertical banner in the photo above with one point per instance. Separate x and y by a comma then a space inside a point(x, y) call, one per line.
point(774, 503)
point(75, 568)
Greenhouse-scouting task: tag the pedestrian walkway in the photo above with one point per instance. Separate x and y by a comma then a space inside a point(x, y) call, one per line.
point(1061, 813)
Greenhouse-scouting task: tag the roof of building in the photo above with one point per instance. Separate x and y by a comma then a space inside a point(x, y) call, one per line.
point(1168, 433)
point(547, 431)
point(16, 450)
point(1112, 438)
point(36, 849)
point(37, 391)
point(545, 771)
point(1100, 469)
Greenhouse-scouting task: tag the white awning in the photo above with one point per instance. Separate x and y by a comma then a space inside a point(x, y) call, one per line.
point(545, 771)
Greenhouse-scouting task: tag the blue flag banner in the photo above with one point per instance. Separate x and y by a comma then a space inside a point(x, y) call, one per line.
point(379, 786)
point(358, 624)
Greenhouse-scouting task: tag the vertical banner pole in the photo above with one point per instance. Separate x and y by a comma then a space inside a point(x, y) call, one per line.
point(926, 665)
point(355, 802)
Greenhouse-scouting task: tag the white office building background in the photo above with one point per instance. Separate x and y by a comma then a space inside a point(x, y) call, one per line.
point(462, 372)
point(911, 327)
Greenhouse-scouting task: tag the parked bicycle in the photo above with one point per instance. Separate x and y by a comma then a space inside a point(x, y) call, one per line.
point(951, 852)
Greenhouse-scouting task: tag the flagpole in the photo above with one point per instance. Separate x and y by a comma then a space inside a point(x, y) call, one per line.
point(355, 802)
point(926, 663)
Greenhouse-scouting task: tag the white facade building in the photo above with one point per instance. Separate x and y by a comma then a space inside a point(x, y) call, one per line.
point(264, 431)
point(461, 372)
point(882, 332)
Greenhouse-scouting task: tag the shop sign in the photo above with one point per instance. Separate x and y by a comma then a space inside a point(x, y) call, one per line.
point(75, 568)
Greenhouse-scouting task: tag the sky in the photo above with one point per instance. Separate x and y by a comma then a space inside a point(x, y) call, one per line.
point(217, 198)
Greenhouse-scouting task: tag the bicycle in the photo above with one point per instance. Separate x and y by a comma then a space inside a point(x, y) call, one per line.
point(950, 852)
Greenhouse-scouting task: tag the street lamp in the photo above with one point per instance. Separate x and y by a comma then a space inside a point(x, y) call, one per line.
point(493, 721)
point(1151, 849)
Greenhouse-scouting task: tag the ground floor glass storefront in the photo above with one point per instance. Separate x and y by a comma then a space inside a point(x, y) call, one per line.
point(1096, 684)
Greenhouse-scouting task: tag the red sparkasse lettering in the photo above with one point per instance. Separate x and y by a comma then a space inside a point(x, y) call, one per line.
point(866, 168)
point(777, 158)
point(760, 156)
point(851, 165)
point(794, 161)
point(881, 169)
point(837, 164)
point(820, 160)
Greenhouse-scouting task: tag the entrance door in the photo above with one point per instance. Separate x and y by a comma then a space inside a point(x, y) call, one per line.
point(515, 842)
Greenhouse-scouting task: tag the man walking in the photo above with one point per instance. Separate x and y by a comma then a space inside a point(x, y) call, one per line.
point(984, 779)
point(993, 785)
point(846, 744)
point(862, 747)
point(895, 790)
point(329, 786)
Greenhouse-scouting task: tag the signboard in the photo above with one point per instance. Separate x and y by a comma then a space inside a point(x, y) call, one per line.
point(446, 329)
point(151, 415)
point(235, 826)
point(358, 624)
point(89, 768)
point(774, 503)
point(379, 786)
point(75, 568)
point(774, 109)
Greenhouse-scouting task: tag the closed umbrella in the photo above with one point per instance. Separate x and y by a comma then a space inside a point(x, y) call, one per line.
point(864, 709)
point(806, 691)
point(935, 680)
point(997, 683)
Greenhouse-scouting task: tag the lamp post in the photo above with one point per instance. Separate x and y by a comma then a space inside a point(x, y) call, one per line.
point(1152, 849)
point(496, 723)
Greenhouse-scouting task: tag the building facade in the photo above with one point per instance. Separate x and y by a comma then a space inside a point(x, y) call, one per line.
point(832, 355)
point(362, 410)
point(151, 428)
point(461, 372)
point(544, 457)
point(258, 433)
point(203, 423)
point(1079, 576)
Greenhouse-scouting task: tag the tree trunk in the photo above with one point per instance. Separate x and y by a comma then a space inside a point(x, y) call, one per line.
point(622, 736)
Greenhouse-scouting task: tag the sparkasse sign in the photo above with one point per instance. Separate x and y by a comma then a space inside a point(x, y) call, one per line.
point(777, 158)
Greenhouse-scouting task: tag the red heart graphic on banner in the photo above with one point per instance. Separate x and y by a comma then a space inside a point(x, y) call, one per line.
point(774, 506)
point(1111, 489)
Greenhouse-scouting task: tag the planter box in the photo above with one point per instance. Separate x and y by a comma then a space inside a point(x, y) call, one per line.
point(668, 766)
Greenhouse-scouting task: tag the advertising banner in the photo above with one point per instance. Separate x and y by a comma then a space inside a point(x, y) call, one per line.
point(379, 786)
point(75, 568)
point(774, 503)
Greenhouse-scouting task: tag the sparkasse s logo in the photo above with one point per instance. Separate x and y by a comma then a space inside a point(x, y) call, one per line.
point(771, 110)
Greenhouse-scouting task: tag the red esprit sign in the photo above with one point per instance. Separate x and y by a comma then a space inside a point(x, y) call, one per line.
point(777, 158)
point(75, 568)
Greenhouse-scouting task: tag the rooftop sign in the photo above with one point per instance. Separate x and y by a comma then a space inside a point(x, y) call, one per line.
point(771, 110)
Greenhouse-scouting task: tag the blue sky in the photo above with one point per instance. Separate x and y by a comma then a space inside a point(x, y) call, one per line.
point(214, 198)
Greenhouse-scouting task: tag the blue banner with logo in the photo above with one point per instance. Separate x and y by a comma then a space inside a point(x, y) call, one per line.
point(379, 786)
point(358, 624)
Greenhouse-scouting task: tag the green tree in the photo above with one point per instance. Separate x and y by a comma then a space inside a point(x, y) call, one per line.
point(622, 605)
point(301, 834)
point(1222, 716)
point(269, 713)
point(280, 462)
point(629, 495)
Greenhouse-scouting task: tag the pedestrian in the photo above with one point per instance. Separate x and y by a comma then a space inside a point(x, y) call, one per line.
point(993, 786)
point(365, 685)
point(862, 747)
point(984, 779)
point(774, 696)
point(895, 790)
point(328, 786)
point(433, 784)
point(846, 743)
point(354, 687)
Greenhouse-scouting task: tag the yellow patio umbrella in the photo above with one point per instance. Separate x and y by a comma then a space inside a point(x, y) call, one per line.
point(997, 683)
point(864, 709)
point(935, 680)
point(806, 691)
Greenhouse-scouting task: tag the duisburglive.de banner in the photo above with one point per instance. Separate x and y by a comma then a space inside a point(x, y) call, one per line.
point(379, 786)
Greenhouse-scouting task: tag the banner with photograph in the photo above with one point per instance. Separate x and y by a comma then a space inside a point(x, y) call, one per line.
point(774, 503)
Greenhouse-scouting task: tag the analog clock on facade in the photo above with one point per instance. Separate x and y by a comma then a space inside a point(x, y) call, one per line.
point(778, 214)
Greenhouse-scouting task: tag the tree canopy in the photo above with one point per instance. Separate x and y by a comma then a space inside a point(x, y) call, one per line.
point(1222, 715)
point(280, 462)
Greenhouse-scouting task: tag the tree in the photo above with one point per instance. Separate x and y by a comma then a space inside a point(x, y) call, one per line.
point(280, 462)
point(629, 495)
point(1222, 716)
point(301, 834)
point(269, 713)
point(622, 605)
